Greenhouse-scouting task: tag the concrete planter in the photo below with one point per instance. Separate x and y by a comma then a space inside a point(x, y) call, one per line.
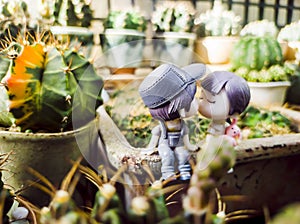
point(266, 172)
point(48, 153)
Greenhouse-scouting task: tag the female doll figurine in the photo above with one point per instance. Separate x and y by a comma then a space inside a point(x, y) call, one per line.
point(168, 92)
point(223, 95)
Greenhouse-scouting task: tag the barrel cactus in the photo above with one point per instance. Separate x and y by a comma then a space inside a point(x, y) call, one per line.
point(42, 79)
point(256, 53)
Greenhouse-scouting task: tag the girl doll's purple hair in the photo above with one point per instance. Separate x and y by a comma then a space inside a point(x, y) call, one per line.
point(170, 110)
point(236, 88)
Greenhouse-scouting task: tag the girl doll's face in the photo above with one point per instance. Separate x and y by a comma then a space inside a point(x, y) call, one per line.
point(215, 107)
point(193, 109)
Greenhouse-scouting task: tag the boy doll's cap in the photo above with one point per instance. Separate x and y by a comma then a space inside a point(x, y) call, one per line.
point(168, 80)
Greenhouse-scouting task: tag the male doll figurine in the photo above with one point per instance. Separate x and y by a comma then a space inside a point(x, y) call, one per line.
point(169, 93)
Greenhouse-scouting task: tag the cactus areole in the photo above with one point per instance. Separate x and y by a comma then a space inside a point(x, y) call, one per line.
point(46, 84)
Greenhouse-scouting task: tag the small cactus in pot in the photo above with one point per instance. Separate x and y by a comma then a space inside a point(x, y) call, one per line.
point(173, 36)
point(218, 22)
point(41, 80)
point(217, 31)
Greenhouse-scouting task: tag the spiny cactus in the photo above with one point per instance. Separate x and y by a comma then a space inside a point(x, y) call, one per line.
point(170, 17)
point(256, 53)
point(272, 74)
point(67, 12)
point(260, 28)
point(125, 20)
point(218, 22)
point(42, 81)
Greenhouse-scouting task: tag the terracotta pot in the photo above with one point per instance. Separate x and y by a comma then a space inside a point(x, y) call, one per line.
point(266, 94)
point(48, 153)
point(214, 50)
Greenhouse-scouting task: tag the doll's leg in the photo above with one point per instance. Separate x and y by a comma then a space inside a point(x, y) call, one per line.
point(167, 160)
point(184, 166)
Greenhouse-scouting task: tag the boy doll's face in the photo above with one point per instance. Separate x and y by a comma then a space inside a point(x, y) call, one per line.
point(215, 107)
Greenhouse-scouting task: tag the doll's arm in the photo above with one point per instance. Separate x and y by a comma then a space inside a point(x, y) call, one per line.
point(186, 141)
point(188, 144)
point(155, 135)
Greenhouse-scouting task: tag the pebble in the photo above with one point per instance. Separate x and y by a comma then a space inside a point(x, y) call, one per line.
point(20, 213)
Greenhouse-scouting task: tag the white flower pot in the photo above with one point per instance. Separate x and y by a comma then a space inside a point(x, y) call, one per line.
point(214, 50)
point(265, 94)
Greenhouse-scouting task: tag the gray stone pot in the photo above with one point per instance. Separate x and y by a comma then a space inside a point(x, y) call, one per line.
point(48, 153)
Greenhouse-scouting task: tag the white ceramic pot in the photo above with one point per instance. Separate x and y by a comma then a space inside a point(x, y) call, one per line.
point(266, 94)
point(122, 48)
point(214, 50)
point(173, 47)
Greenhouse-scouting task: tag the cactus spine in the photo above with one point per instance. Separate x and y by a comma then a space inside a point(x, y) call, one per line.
point(41, 83)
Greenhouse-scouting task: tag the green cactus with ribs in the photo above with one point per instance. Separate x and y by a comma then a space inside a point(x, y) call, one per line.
point(256, 53)
point(260, 59)
point(40, 80)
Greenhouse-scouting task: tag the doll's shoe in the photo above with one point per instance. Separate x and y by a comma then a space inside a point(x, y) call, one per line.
point(185, 176)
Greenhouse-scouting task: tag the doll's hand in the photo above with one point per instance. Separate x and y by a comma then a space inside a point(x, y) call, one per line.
point(193, 148)
point(148, 151)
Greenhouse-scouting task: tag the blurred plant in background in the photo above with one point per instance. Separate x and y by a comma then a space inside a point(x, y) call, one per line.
point(218, 22)
point(173, 17)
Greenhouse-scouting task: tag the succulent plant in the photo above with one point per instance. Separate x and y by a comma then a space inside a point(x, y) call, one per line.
point(272, 74)
point(256, 53)
point(170, 17)
point(15, 20)
point(72, 13)
point(218, 22)
point(260, 28)
point(41, 81)
point(125, 20)
point(291, 32)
